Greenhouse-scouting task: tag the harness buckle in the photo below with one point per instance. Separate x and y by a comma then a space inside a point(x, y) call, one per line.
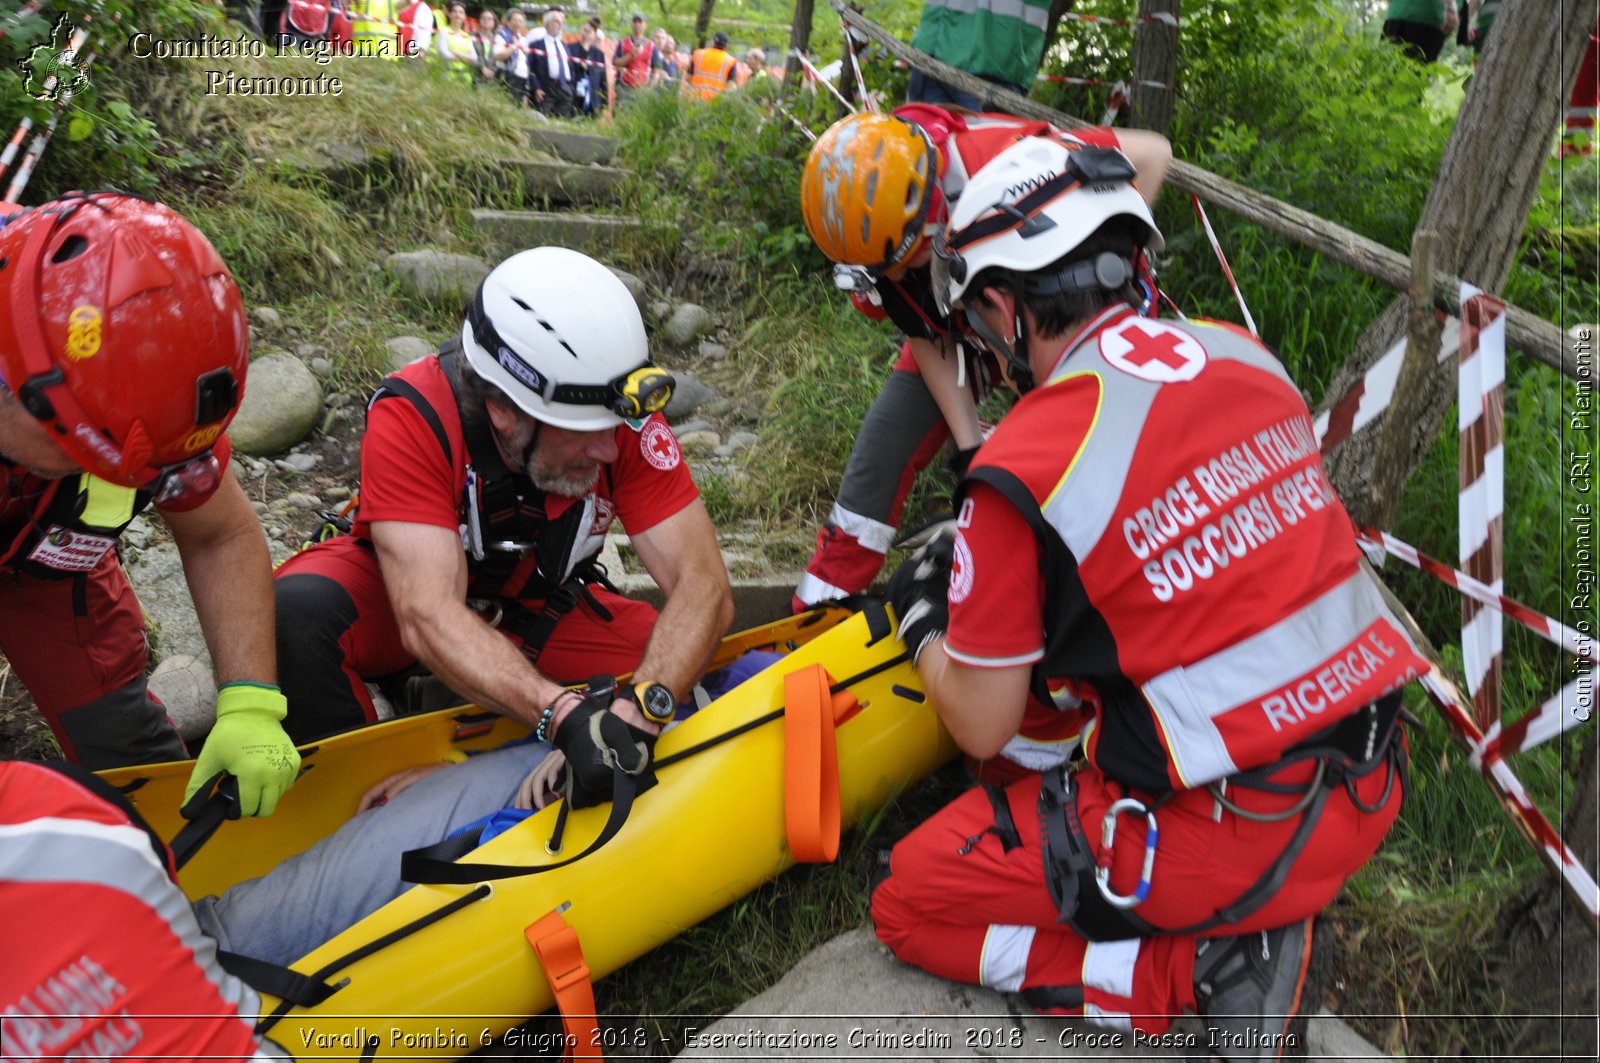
point(1108, 841)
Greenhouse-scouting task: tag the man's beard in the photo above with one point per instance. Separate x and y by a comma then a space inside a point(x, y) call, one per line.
point(520, 448)
point(566, 484)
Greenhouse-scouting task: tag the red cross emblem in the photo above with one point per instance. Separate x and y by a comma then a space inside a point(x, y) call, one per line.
point(1152, 350)
point(658, 446)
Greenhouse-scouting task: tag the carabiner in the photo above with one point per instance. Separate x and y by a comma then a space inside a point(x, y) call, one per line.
point(1108, 841)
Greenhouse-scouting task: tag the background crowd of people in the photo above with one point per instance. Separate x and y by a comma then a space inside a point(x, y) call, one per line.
point(530, 52)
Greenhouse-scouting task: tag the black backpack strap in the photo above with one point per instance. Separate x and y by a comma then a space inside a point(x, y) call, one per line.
point(393, 385)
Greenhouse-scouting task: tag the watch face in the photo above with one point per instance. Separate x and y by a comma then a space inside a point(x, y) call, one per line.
point(657, 702)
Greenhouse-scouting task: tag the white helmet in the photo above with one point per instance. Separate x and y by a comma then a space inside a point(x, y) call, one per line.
point(1030, 206)
point(561, 337)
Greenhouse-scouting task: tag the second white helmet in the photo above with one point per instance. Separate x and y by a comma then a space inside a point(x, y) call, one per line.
point(1030, 207)
point(562, 338)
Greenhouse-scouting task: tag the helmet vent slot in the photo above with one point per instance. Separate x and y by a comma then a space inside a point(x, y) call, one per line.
point(565, 346)
point(70, 248)
point(525, 306)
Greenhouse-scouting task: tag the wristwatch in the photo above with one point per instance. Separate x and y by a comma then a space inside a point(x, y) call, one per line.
point(656, 701)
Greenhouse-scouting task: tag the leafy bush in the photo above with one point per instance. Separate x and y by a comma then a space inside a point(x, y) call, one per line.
point(112, 139)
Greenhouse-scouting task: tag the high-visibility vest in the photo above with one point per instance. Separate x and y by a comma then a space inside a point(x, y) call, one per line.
point(1201, 575)
point(373, 28)
point(710, 72)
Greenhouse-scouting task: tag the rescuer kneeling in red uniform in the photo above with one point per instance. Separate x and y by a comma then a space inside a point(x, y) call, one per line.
point(1148, 543)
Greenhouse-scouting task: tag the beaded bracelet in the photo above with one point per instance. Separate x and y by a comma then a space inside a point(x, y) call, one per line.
point(549, 713)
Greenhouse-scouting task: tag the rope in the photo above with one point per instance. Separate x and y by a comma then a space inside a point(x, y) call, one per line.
point(1481, 503)
point(1217, 247)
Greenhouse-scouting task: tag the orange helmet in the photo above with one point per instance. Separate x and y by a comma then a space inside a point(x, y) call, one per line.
point(867, 188)
point(122, 331)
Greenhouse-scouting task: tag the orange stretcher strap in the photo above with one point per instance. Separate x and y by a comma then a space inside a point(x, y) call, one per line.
point(811, 762)
point(561, 956)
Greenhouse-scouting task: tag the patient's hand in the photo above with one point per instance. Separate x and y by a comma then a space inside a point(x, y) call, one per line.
point(541, 786)
point(391, 787)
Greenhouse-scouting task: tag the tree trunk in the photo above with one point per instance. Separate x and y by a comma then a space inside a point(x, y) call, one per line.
point(1478, 204)
point(702, 21)
point(1155, 68)
point(1052, 25)
point(1548, 970)
point(799, 40)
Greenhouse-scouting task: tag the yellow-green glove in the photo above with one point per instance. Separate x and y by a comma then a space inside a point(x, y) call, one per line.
point(248, 743)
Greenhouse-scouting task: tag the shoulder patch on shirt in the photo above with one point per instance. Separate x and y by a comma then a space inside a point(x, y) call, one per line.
point(659, 447)
point(961, 571)
point(1152, 350)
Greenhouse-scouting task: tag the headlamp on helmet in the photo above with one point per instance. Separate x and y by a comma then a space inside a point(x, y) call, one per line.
point(634, 393)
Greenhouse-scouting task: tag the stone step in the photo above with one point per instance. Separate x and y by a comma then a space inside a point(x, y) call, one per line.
point(510, 231)
point(569, 182)
point(574, 147)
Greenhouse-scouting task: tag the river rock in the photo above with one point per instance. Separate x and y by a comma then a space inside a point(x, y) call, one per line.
point(635, 286)
point(688, 395)
point(187, 688)
point(437, 275)
point(403, 350)
point(266, 318)
point(689, 321)
point(282, 402)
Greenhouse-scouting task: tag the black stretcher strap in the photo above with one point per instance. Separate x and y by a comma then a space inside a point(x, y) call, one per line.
point(285, 1005)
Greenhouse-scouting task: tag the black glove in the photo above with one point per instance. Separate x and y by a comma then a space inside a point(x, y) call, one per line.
point(595, 741)
point(919, 589)
point(961, 461)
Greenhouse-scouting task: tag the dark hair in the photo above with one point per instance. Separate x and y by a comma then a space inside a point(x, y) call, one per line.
point(473, 391)
point(1057, 312)
point(720, 40)
point(595, 22)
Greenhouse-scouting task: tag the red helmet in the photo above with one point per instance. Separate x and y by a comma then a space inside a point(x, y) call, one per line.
point(123, 332)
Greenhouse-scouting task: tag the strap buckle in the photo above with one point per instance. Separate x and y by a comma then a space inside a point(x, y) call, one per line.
point(1108, 841)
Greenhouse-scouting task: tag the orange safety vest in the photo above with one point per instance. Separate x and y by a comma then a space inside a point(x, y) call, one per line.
point(710, 72)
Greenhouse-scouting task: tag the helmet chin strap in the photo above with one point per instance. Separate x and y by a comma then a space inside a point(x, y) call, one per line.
point(1018, 366)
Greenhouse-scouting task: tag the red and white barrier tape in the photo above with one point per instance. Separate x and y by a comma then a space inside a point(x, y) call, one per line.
point(18, 15)
point(1062, 79)
point(35, 149)
point(1160, 16)
point(30, 159)
point(816, 75)
point(1513, 797)
point(1119, 96)
point(10, 153)
point(1558, 715)
point(1481, 505)
point(1371, 395)
point(1227, 272)
point(1579, 645)
point(855, 66)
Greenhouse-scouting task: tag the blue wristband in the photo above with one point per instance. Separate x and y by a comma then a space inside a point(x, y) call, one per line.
point(544, 723)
